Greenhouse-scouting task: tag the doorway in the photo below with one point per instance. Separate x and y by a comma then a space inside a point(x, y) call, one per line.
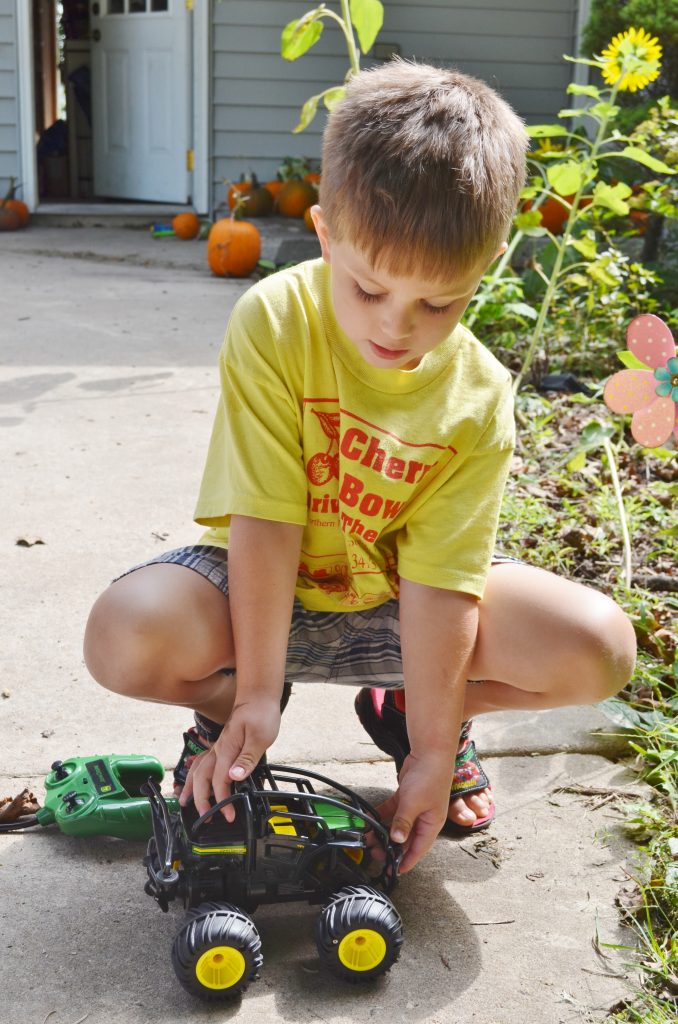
point(112, 94)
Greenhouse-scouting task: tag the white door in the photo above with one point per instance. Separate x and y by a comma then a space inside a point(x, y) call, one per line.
point(140, 99)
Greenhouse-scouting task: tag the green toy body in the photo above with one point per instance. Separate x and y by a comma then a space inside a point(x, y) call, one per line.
point(101, 796)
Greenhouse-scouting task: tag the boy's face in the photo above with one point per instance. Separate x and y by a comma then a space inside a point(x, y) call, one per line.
point(392, 321)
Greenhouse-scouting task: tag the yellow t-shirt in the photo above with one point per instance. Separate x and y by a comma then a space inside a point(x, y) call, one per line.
point(392, 473)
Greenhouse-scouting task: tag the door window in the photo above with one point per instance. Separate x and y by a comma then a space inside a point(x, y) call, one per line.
point(137, 6)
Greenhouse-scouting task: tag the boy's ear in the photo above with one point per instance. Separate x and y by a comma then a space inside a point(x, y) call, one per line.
point(321, 231)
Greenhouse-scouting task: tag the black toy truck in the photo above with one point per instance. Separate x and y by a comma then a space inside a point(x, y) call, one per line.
point(287, 843)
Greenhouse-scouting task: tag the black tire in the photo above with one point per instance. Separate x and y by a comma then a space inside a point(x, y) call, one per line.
point(359, 933)
point(217, 953)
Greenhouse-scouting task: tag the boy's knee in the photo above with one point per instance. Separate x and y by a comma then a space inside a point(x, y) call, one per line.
point(611, 649)
point(124, 638)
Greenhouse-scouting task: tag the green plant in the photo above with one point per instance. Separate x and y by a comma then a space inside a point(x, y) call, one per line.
point(593, 435)
point(298, 36)
point(572, 174)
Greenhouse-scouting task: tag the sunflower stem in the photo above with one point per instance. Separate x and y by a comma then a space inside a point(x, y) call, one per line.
point(626, 539)
point(588, 165)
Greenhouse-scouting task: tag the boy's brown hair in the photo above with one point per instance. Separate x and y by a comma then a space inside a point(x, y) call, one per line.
point(422, 167)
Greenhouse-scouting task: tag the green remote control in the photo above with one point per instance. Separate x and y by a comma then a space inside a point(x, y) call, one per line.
point(101, 795)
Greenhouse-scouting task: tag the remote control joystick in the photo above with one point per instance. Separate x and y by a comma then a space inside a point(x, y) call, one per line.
point(71, 800)
point(59, 770)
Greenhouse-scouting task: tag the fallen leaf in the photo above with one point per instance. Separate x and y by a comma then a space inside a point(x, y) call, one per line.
point(13, 808)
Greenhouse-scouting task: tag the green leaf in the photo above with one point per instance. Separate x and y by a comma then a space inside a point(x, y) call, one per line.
point(595, 432)
point(331, 97)
point(566, 178)
point(603, 110)
point(545, 131)
point(578, 461)
point(308, 112)
point(522, 309)
point(598, 272)
point(530, 191)
point(527, 219)
point(612, 197)
point(586, 246)
point(578, 280)
point(584, 60)
point(641, 157)
point(367, 17)
point(631, 361)
point(567, 112)
point(300, 35)
point(583, 90)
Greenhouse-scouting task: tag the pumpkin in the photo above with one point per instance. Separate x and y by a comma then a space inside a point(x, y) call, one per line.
point(233, 247)
point(313, 177)
point(295, 197)
point(10, 202)
point(554, 213)
point(186, 225)
point(274, 188)
point(259, 199)
point(9, 218)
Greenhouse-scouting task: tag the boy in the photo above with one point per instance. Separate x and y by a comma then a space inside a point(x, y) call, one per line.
point(354, 479)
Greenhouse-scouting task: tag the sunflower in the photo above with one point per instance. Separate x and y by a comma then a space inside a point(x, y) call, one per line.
point(632, 60)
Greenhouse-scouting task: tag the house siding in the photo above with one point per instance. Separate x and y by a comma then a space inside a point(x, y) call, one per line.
point(9, 112)
point(516, 47)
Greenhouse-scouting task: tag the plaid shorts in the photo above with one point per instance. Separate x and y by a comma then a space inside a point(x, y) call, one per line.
point(360, 648)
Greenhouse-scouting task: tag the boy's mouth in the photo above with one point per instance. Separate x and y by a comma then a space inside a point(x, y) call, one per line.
point(388, 353)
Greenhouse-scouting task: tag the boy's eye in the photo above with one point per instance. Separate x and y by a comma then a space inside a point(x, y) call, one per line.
point(437, 309)
point(366, 296)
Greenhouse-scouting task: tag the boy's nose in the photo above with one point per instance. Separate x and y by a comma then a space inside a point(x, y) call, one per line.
point(396, 328)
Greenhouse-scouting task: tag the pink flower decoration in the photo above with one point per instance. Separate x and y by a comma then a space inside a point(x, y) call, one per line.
point(652, 394)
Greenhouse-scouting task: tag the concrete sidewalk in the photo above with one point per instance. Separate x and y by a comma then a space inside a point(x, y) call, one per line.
point(107, 389)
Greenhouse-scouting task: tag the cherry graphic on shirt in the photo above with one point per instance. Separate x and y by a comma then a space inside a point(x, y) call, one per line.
point(323, 466)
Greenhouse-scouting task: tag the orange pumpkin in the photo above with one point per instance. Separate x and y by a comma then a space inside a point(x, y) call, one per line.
point(9, 218)
point(259, 202)
point(10, 202)
point(274, 188)
point(233, 247)
point(295, 197)
point(259, 199)
point(186, 225)
point(236, 190)
point(313, 177)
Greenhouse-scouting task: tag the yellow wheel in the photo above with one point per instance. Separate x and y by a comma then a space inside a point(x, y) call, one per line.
point(362, 949)
point(220, 967)
point(359, 933)
point(217, 952)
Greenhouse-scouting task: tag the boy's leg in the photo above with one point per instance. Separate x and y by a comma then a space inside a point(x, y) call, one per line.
point(543, 642)
point(163, 633)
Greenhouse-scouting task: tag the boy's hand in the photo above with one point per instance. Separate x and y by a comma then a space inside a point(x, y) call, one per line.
point(418, 809)
point(249, 732)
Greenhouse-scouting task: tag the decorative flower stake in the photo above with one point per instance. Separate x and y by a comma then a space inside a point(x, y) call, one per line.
point(651, 394)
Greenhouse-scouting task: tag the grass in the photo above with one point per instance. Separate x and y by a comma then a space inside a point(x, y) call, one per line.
point(567, 520)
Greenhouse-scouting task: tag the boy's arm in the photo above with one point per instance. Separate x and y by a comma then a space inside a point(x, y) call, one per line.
point(263, 562)
point(438, 633)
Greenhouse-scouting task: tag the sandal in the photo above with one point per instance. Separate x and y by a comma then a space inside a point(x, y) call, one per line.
point(385, 723)
point(201, 736)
